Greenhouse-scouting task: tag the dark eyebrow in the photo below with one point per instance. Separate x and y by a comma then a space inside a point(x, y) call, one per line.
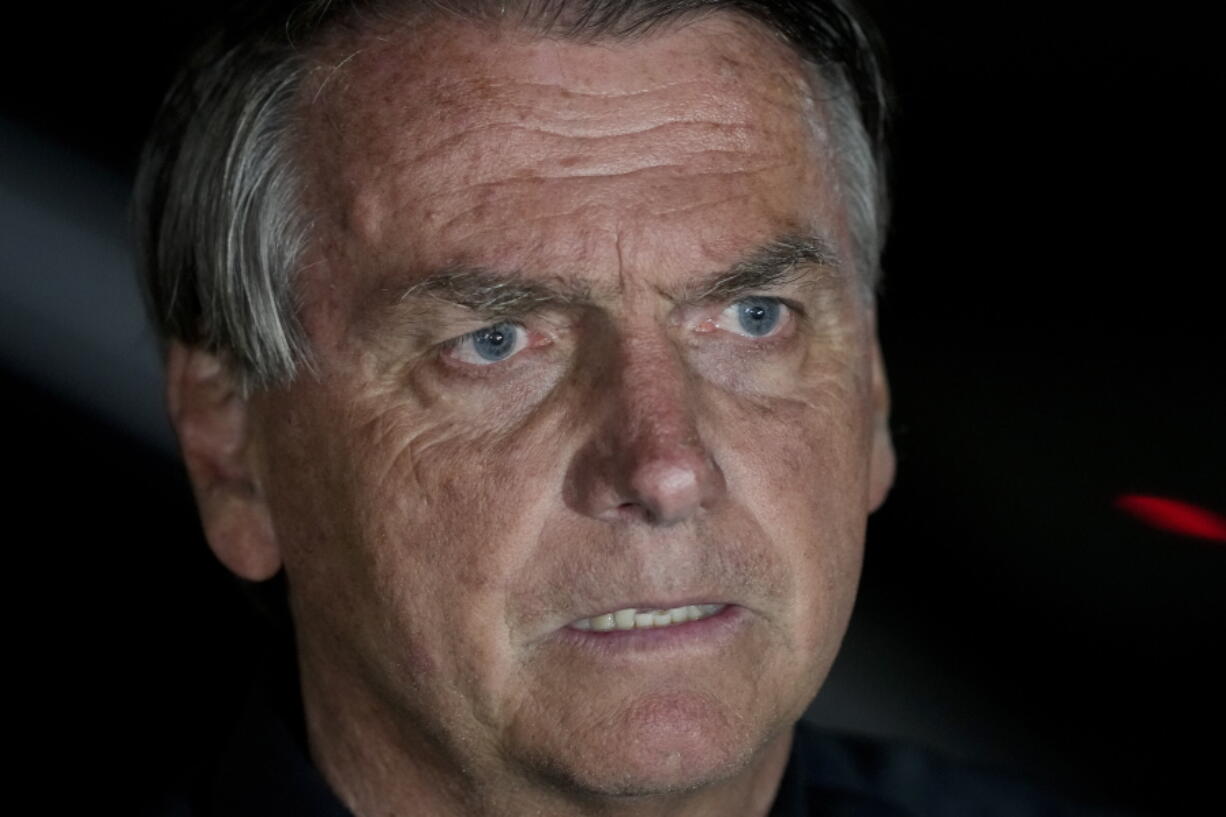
point(496, 294)
point(780, 262)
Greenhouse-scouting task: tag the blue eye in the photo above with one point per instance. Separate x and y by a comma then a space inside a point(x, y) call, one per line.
point(757, 317)
point(497, 342)
point(488, 345)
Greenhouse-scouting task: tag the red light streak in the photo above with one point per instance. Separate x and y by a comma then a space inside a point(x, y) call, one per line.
point(1174, 516)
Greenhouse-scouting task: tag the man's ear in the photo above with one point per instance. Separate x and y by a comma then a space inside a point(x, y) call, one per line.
point(212, 418)
point(881, 458)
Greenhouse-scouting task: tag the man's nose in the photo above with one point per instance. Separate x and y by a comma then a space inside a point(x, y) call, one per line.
point(645, 459)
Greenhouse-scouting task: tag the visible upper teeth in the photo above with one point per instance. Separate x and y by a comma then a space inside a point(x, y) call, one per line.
point(632, 619)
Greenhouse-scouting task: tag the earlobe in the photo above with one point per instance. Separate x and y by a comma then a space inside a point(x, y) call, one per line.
point(881, 458)
point(212, 419)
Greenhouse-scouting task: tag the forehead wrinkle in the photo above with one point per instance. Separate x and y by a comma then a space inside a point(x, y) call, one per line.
point(693, 151)
point(533, 147)
point(693, 127)
point(475, 95)
point(585, 108)
point(506, 92)
point(572, 192)
point(474, 105)
point(533, 154)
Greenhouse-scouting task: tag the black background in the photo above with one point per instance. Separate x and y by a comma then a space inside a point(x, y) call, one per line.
point(1052, 320)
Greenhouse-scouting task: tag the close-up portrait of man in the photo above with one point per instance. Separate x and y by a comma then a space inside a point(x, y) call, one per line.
point(535, 342)
point(524, 359)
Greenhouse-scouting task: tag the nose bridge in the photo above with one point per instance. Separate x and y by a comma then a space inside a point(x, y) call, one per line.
point(655, 411)
point(647, 461)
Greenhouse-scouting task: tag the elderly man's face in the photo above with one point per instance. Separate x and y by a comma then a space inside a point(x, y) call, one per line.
point(669, 397)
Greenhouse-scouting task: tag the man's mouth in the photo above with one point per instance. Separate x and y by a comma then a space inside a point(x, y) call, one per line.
point(632, 618)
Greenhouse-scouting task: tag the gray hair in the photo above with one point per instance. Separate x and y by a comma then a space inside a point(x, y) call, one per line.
point(220, 229)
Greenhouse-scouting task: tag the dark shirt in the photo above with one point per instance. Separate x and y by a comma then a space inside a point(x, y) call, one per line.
point(265, 771)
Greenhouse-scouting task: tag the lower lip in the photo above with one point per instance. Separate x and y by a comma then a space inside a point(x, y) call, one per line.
point(704, 632)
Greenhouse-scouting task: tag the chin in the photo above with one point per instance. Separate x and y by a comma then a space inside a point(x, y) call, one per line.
point(660, 745)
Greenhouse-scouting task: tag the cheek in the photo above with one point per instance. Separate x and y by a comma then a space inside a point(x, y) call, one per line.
point(438, 502)
point(394, 522)
point(809, 449)
point(800, 465)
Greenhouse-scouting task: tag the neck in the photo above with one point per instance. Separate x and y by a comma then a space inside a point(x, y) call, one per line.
point(378, 767)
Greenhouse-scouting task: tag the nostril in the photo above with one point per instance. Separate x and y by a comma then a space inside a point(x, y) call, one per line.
point(631, 512)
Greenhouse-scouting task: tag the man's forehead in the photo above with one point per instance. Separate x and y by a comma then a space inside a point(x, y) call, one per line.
point(384, 94)
point(451, 145)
